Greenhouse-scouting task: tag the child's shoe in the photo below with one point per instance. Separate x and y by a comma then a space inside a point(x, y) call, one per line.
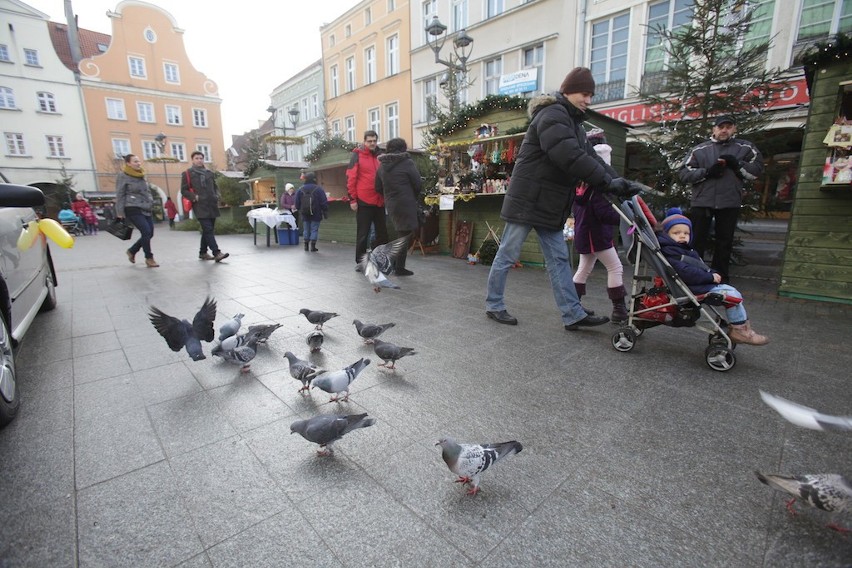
point(743, 333)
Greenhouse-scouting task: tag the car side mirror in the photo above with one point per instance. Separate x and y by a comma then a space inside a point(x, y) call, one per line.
point(12, 195)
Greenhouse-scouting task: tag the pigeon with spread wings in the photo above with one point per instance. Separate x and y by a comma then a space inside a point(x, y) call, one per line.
point(376, 264)
point(181, 334)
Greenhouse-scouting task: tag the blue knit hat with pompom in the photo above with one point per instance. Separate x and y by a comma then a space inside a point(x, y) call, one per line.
point(675, 216)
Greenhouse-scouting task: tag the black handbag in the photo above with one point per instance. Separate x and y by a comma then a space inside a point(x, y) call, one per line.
point(120, 228)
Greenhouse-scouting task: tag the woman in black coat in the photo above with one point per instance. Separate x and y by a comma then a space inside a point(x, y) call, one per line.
point(398, 179)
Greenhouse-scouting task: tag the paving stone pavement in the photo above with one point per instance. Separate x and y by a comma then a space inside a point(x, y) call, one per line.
point(127, 454)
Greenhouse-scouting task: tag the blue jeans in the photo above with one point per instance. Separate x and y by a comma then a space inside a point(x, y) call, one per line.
point(737, 314)
point(208, 236)
point(145, 224)
point(310, 229)
point(555, 253)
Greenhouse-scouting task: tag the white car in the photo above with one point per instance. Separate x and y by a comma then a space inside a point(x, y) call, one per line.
point(27, 284)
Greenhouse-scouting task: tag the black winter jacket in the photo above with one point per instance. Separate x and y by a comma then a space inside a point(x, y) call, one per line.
point(694, 273)
point(205, 200)
point(398, 180)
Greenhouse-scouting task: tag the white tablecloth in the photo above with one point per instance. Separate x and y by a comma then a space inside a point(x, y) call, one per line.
point(271, 217)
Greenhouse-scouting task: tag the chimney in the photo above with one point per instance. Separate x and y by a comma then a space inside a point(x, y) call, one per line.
point(73, 34)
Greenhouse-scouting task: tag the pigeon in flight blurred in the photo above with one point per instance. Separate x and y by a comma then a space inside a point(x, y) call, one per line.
point(262, 330)
point(370, 331)
point(180, 333)
point(317, 317)
point(806, 417)
point(231, 327)
point(326, 429)
point(469, 461)
point(240, 355)
point(387, 351)
point(337, 382)
point(314, 340)
point(302, 370)
point(826, 491)
point(376, 264)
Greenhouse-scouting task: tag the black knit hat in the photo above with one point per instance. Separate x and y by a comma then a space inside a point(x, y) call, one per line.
point(309, 177)
point(579, 80)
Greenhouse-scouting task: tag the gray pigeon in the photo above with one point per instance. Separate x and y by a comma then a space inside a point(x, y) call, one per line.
point(328, 428)
point(370, 331)
point(807, 417)
point(377, 263)
point(180, 333)
point(468, 461)
point(231, 327)
point(387, 351)
point(317, 317)
point(231, 343)
point(240, 355)
point(314, 340)
point(263, 331)
point(302, 370)
point(336, 382)
point(827, 491)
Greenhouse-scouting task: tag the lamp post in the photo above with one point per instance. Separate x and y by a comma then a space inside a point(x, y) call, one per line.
point(457, 60)
point(294, 119)
point(160, 139)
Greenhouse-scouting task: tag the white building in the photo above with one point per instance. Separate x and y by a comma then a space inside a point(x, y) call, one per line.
point(298, 107)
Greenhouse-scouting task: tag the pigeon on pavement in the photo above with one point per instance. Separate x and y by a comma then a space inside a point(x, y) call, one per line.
point(337, 382)
point(314, 340)
point(326, 429)
point(826, 491)
point(180, 333)
point(317, 317)
point(380, 261)
point(263, 331)
point(387, 351)
point(231, 327)
point(370, 331)
point(469, 461)
point(302, 370)
point(807, 417)
point(240, 355)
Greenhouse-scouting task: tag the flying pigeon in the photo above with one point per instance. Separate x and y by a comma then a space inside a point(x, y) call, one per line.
point(180, 333)
point(231, 327)
point(336, 382)
point(314, 340)
point(302, 370)
point(387, 351)
point(468, 461)
point(806, 417)
point(240, 355)
point(326, 429)
point(379, 262)
point(370, 331)
point(827, 491)
point(263, 331)
point(317, 317)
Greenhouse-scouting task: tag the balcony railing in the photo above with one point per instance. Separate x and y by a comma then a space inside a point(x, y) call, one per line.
point(609, 91)
point(653, 83)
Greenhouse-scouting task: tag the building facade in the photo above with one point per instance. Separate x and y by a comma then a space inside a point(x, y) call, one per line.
point(298, 109)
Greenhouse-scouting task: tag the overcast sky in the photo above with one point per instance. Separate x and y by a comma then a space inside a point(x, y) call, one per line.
point(248, 47)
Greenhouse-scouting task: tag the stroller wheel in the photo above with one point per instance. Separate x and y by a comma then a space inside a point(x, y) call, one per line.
point(720, 358)
point(624, 339)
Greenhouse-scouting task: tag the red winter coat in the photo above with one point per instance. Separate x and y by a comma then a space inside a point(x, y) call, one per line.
point(171, 209)
point(361, 177)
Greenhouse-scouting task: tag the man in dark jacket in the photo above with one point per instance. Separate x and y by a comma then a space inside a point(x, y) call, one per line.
point(554, 157)
point(716, 169)
point(199, 186)
point(398, 181)
point(369, 206)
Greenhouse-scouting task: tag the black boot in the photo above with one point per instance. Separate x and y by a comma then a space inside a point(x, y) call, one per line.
point(619, 309)
point(581, 291)
point(314, 246)
point(400, 269)
point(306, 245)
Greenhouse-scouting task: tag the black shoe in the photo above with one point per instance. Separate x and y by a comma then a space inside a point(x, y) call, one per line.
point(358, 268)
point(588, 321)
point(502, 317)
point(589, 312)
point(220, 256)
point(403, 272)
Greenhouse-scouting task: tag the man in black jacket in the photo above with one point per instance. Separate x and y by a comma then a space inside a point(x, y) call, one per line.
point(554, 157)
point(199, 186)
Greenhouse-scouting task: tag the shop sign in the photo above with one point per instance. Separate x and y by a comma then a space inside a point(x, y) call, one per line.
point(518, 82)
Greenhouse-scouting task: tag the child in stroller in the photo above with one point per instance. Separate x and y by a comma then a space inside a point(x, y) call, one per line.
point(70, 221)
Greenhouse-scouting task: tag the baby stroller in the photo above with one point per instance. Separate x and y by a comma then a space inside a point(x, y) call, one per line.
point(660, 297)
point(74, 227)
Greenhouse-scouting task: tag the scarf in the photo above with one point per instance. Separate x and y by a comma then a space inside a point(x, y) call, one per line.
point(133, 173)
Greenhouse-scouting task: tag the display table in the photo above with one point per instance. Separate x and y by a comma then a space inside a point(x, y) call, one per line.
point(272, 218)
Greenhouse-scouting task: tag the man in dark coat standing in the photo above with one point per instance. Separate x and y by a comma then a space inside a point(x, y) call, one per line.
point(398, 181)
point(199, 186)
point(554, 157)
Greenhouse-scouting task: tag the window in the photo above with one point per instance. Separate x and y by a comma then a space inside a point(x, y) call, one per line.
point(370, 65)
point(306, 110)
point(315, 105)
point(609, 57)
point(534, 59)
point(335, 129)
point(374, 119)
point(7, 97)
point(668, 14)
point(137, 67)
point(171, 72)
point(120, 147)
point(391, 5)
point(115, 109)
point(4, 52)
point(31, 57)
point(350, 74)
point(178, 151)
point(819, 19)
point(350, 128)
point(493, 70)
point(199, 117)
point(55, 146)
point(335, 82)
point(204, 149)
point(368, 17)
point(430, 8)
point(15, 144)
point(459, 16)
point(145, 111)
point(761, 22)
point(150, 150)
point(331, 40)
point(430, 98)
point(173, 115)
point(46, 102)
point(494, 8)
point(392, 112)
point(393, 55)
point(347, 31)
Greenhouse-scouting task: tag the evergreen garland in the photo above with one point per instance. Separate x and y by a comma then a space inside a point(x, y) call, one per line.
point(830, 51)
point(480, 108)
point(328, 144)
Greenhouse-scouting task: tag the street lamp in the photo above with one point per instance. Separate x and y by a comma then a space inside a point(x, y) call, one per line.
point(160, 139)
point(457, 61)
point(294, 119)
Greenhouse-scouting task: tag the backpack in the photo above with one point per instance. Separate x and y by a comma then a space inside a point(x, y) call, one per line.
point(307, 205)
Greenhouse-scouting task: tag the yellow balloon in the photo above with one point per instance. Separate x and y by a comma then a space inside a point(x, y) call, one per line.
point(28, 236)
point(56, 233)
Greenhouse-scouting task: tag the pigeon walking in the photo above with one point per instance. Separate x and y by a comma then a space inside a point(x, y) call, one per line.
point(231, 327)
point(380, 261)
point(328, 428)
point(317, 317)
point(263, 331)
point(469, 461)
point(180, 333)
point(370, 331)
point(337, 382)
point(807, 417)
point(387, 351)
point(826, 491)
point(240, 355)
point(314, 340)
point(302, 370)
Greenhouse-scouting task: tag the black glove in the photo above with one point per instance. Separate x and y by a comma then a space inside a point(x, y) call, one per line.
point(731, 161)
point(716, 170)
point(618, 186)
